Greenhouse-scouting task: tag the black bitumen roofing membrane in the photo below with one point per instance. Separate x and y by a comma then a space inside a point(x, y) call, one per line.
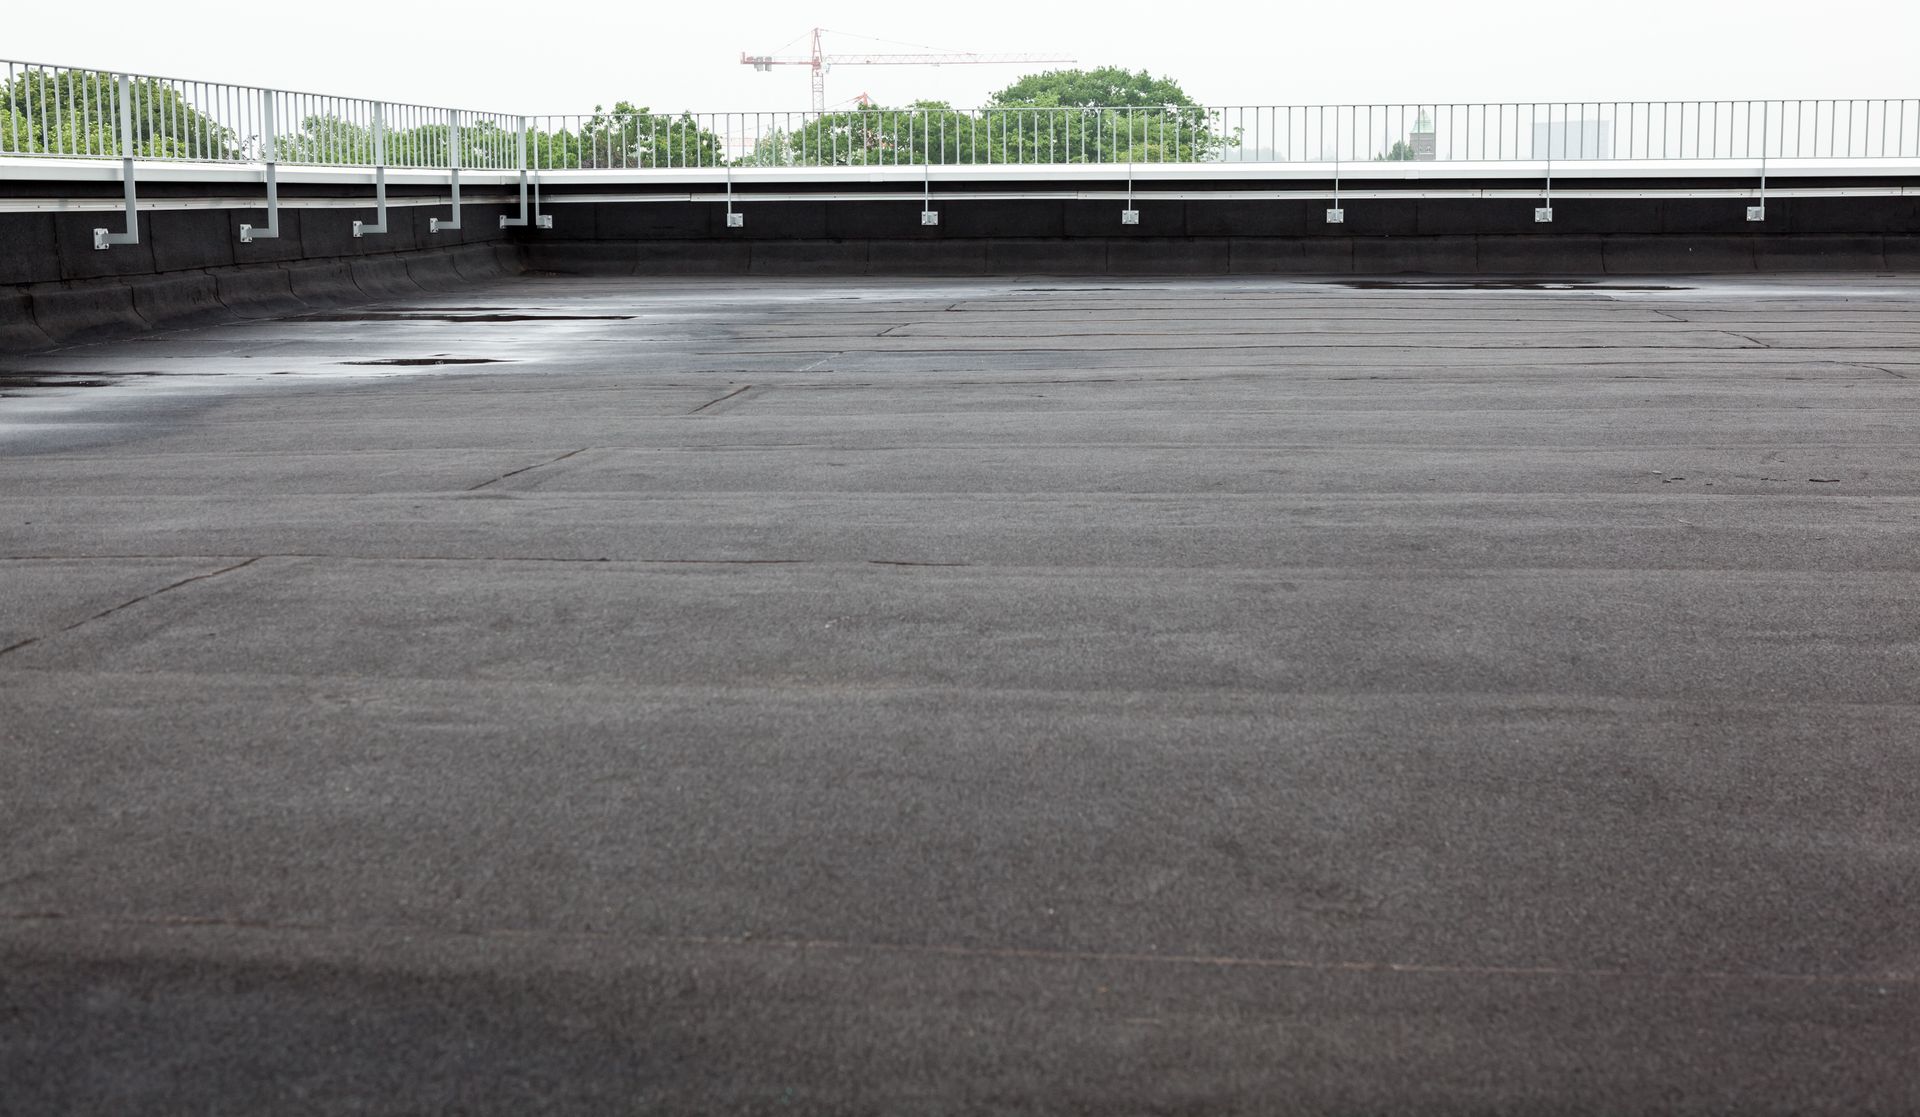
point(969, 696)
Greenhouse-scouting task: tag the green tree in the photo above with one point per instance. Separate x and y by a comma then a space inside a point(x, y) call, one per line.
point(927, 131)
point(1063, 116)
point(328, 139)
point(77, 112)
point(1400, 152)
point(1104, 115)
point(627, 137)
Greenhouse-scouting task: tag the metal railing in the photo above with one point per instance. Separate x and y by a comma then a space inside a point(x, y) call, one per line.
point(1509, 132)
point(77, 113)
point(69, 113)
point(64, 112)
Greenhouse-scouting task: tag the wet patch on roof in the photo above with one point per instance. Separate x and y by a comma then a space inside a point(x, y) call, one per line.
point(431, 361)
point(1500, 285)
point(443, 316)
point(13, 382)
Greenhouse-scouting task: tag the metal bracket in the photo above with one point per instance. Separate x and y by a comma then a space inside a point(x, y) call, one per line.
point(249, 234)
point(1544, 213)
point(451, 225)
point(104, 239)
point(434, 224)
point(928, 215)
point(1759, 212)
point(361, 228)
point(1130, 215)
point(734, 220)
point(539, 220)
point(1336, 215)
point(520, 221)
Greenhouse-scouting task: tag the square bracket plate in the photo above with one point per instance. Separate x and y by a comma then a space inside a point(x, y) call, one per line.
point(929, 217)
point(1129, 217)
point(1336, 217)
point(356, 229)
point(545, 221)
point(1543, 214)
point(736, 220)
point(1756, 213)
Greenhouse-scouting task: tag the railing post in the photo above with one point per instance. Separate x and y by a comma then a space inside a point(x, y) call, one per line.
point(434, 224)
point(268, 152)
point(1336, 215)
point(538, 219)
point(520, 152)
point(1543, 213)
point(379, 174)
point(106, 238)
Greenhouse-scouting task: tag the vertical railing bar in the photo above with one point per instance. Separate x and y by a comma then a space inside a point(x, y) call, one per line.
point(46, 137)
point(81, 112)
point(25, 83)
point(89, 108)
point(59, 123)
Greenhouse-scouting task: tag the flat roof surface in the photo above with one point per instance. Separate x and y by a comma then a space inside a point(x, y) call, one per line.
point(970, 696)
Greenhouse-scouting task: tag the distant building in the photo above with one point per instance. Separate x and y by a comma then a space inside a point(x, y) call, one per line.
point(1424, 147)
point(1573, 139)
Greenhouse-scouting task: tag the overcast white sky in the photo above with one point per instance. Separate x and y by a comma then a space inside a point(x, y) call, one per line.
point(565, 57)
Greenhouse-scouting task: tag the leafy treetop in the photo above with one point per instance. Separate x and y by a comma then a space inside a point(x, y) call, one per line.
point(1106, 87)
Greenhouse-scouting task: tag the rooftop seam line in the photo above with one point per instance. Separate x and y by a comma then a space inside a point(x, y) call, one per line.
point(714, 402)
point(129, 604)
point(1006, 953)
point(526, 468)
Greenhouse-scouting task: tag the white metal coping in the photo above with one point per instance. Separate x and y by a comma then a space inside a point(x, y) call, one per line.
point(109, 170)
point(743, 201)
point(1745, 184)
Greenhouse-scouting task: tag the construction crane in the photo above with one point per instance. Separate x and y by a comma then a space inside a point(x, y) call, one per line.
point(820, 60)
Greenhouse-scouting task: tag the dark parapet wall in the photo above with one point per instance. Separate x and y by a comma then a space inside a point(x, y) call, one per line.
point(1622, 232)
point(190, 265)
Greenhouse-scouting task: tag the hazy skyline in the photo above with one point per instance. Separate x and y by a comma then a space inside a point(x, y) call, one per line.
point(494, 56)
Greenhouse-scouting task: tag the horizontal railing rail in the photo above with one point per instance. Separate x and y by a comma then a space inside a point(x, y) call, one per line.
point(66, 112)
